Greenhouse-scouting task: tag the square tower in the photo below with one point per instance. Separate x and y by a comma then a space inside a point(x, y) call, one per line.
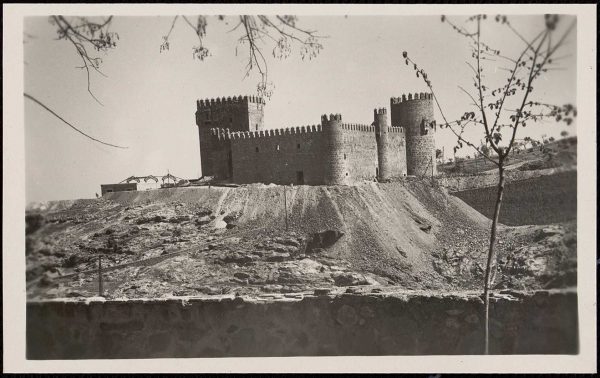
point(233, 113)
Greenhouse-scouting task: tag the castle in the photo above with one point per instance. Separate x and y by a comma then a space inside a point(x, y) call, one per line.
point(235, 146)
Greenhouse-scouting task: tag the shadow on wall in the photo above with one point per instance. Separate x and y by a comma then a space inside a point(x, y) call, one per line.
point(540, 200)
point(345, 325)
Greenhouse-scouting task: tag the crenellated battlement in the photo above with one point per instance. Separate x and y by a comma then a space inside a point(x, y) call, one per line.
point(226, 134)
point(358, 127)
point(235, 100)
point(330, 153)
point(411, 97)
point(331, 118)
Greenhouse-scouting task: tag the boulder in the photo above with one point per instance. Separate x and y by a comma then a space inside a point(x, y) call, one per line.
point(277, 257)
point(349, 279)
point(241, 275)
point(322, 240)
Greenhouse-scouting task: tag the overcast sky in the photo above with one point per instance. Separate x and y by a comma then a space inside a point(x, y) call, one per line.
point(149, 97)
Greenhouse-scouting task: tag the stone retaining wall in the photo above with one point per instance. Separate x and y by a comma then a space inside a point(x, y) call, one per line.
point(330, 325)
point(538, 200)
point(458, 183)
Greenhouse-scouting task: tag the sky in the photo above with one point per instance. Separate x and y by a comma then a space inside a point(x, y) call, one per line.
point(149, 98)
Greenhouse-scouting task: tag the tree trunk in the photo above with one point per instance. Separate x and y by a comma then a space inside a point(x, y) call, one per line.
point(491, 257)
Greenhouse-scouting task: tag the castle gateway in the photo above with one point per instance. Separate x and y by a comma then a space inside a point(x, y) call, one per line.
point(235, 146)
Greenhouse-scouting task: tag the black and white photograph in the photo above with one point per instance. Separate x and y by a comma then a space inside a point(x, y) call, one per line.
point(247, 186)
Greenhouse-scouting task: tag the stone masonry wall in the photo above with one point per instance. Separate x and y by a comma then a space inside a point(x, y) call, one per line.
point(278, 158)
point(282, 156)
point(420, 155)
point(538, 200)
point(233, 113)
point(360, 151)
point(347, 324)
point(415, 114)
point(397, 156)
point(234, 144)
point(236, 114)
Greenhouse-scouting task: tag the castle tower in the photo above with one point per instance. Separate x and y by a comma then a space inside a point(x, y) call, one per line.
point(233, 113)
point(415, 114)
point(383, 147)
point(335, 159)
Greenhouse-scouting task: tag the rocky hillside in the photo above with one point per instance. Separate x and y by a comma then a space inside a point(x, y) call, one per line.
point(214, 240)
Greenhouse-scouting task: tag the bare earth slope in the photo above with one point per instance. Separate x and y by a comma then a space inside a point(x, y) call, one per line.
point(222, 239)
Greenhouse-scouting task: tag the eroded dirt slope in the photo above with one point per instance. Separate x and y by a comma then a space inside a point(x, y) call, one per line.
point(221, 239)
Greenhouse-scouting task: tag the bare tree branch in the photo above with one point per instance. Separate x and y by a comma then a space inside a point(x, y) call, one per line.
point(69, 124)
point(85, 32)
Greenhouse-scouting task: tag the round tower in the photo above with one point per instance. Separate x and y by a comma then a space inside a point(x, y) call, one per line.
point(335, 161)
point(383, 148)
point(415, 114)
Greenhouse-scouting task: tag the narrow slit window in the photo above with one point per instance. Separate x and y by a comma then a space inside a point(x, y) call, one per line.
point(256, 149)
point(277, 147)
point(298, 146)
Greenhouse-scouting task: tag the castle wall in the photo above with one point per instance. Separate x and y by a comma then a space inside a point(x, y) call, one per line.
point(360, 152)
point(282, 156)
point(233, 113)
point(220, 157)
point(255, 116)
point(235, 146)
point(336, 170)
point(206, 150)
point(397, 152)
point(304, 155)
point(415, 114)
point(420, 153)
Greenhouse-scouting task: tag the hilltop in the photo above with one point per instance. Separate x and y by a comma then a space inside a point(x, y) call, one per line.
point(216, 240)
point(555, 154)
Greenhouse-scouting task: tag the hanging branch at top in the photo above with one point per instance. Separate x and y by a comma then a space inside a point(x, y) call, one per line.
point(256, 33)
point(200, 52)
point(86, 35)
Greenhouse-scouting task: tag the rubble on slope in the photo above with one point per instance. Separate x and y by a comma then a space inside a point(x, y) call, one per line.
point(233, 240)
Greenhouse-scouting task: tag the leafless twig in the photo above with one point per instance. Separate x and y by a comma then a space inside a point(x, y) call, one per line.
point(68, 124)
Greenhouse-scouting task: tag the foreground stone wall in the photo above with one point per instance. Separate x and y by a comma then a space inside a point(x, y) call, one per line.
point(347, 324)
